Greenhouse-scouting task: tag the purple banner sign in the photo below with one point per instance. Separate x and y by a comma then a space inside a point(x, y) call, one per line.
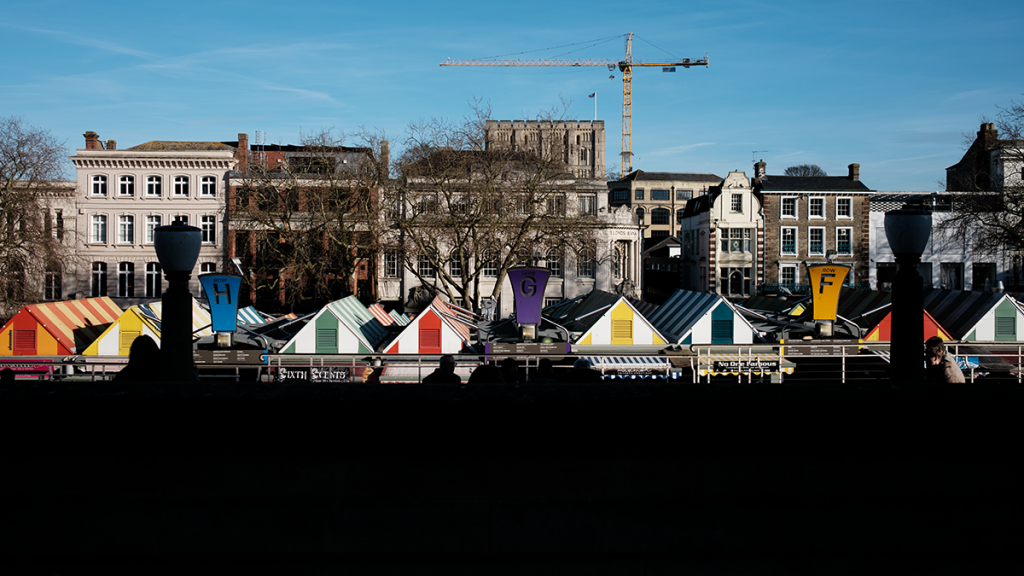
point(528, 286)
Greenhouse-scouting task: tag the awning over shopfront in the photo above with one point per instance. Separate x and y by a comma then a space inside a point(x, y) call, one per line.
point(631, 366)
point(414, 373)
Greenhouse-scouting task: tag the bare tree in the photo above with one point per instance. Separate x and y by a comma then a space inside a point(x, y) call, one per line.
point(466, 208)
point(33, 250)
point(988, 204)
point(306, 220)
point(805, 170)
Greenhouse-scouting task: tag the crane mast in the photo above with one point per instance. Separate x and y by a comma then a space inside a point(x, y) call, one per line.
point(625, 66)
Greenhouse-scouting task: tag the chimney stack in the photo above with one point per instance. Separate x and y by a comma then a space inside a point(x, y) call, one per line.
point(759, 170)
point(385, 157)
point(242, 153)
point(988, 135)
point(855, 172)
point(111, 144)
point(92, 141)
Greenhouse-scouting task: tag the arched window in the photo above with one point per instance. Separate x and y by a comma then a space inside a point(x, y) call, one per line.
point(489, 264)
point(585, 265)
point(154, 287)
point(126, 280)
point(660, 216)
point(455, 264)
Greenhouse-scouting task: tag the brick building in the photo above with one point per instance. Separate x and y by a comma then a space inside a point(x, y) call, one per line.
point(808, 217)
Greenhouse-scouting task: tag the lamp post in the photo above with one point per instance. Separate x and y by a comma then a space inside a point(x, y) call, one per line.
point(177, 248)
point(907, 230)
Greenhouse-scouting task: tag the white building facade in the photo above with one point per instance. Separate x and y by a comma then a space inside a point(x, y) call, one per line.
point(124, 195)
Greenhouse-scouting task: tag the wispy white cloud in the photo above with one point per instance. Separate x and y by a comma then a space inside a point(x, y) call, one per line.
point(83, 41)
point(679, 149)
point(971, 94)
point(912, 159)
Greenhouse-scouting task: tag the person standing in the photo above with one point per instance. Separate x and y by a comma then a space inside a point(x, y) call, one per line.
point(445, 373)
point(941, 366)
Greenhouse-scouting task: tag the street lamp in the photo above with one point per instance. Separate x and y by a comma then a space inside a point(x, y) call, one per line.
point(177, 248)
point(907, 230)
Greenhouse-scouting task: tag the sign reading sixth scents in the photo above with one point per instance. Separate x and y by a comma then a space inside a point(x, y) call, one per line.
point(222, 294)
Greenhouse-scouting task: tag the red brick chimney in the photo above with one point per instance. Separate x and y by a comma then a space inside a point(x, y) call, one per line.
point(242, 153)
point(988, 136)
point(855, 172)
point(111, 144)
point(92, 141)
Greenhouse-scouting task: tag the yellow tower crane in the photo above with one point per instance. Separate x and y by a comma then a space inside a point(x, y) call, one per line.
point(625, 66)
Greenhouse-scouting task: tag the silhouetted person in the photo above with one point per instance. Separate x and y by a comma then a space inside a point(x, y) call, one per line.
point(545, 373)
point(144, 362)
point(7, 375)
point(582, 373)
point(486, 374)
point(941, 366)
point(510, 371)
point(445, 373)
point(371, 375)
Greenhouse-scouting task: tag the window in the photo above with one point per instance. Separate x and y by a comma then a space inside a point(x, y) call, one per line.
point(99, 279)
point(391, 264)
point(126, 280)
point(789, 241)
point(208, 228)
point(126, 186)
point(639, 193)
point(153, 186)
point(620, 195)
point(183, 218)
point(789, 207)
point(620, 253)
point(125, 229)
point(736, 204)
point(951, 275)
point(424, 268)
point(52, 286)
point(640, 216)
point(583, 155)
point(455, 264)
point(59, 224)
point(152, 222)
point(181, 186)
point(99, 229)
point(736, 240)
point(659, 194)
point(660, 216)
point(585, 264)
point(207, 267)
point(734, 282)
point(554, 263)
point(983, 276)
point(816, 241)
point(427, 204)
point(208, 186)
point(99, 185)
point(843, 241)
point(588, 204)
point(816, 208)
point(154, 288)
point(679, 215)
point(844, 208)
point(488, 265)
point(556, 205)
point(787, 275)
point(684, 194)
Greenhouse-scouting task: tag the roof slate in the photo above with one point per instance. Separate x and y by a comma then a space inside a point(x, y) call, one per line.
point(640, 175)
point(810, 183)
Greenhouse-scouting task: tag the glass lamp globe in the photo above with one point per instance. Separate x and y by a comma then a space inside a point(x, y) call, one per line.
point(177, 247)
point(908, 230)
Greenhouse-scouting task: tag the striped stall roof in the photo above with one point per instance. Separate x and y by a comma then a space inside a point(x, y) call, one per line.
point(76, 323)
point(865, 308)
point(640, 366)
point(351, 311)
point(400, 319)
point(680, 313)
point(459, 319)
point(644, 308)
point(201, 320)
point(378, 312)
point(580, 314)
point(960, 311)
point(250, 315)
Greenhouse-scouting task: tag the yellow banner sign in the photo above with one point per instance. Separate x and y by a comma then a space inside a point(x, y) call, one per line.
point(826, 281)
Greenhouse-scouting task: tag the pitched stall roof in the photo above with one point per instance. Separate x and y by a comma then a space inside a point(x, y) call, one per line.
point(456, 320)
point(643, 307)
point(960, 311)
point(684, 310)
point(250, 315)
point(865, 308)
point(74, 323)
point(777, 304)
point(593, 318)
point(365, 331)
point(580, 314)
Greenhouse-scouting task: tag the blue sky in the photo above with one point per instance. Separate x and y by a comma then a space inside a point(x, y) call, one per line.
point(890, 85)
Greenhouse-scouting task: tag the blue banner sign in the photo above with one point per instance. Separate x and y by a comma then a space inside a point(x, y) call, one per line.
point(222, 294)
